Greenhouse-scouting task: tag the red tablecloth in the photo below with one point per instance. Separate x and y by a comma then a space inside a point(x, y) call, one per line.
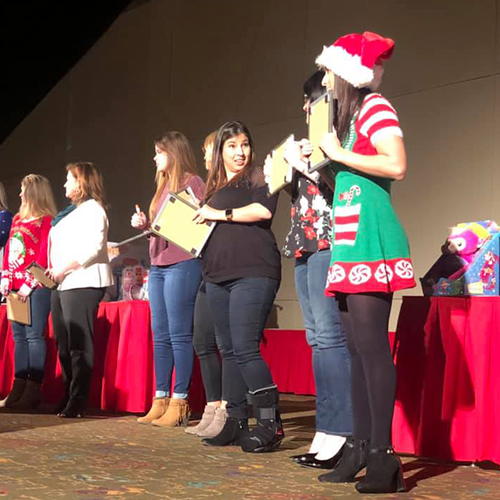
point(123, 378)
point(448, 363)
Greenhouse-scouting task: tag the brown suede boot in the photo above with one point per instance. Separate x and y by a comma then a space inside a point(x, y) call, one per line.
point(176, 414)
point(15, 393)
point(31, 397)
point(206, 419)
point(157, 410)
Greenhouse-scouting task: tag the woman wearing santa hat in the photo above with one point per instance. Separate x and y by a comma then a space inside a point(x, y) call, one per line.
point(370, 253)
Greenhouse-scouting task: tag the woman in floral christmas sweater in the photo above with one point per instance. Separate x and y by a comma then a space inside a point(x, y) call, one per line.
point(309, 243)
point(28, 243)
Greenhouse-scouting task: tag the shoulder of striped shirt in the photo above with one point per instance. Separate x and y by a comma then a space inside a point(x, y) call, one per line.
point(381, 111)
point(372, 100)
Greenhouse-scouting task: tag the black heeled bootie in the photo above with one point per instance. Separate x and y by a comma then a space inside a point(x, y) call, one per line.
point(233, 431)
point(352, 461)
point(268, 433)
point(383, 472)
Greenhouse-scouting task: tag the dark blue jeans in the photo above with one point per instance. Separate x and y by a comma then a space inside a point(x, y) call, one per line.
point(240, 309)
point(325, 335)
point(29, 342)
point(172, 294)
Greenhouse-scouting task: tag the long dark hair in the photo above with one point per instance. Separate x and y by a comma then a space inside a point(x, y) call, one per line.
point(348, 101)
point(217, 177)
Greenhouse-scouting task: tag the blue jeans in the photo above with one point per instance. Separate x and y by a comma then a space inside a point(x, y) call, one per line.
point(240, 309)
point(29, 342)
point(325, 335)
point(172, 294)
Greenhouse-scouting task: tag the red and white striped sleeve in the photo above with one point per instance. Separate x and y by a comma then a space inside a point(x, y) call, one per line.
point(378, 119)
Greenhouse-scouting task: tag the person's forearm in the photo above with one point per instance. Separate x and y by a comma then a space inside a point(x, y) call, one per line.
point(249, 213)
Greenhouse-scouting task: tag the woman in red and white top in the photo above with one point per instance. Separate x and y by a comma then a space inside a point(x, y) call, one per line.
point(28, 243)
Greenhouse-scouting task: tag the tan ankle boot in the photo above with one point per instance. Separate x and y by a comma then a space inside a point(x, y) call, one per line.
point(216, 426)
point(157, 410)
point(31, 397)
point(206, 419)
point(15, 393)
point(176, 414)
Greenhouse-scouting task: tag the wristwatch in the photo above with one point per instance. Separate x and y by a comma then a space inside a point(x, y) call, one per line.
point(229, 214)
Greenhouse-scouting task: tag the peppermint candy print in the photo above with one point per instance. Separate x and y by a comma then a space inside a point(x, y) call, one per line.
point(383, 274)
point(404, 269)
point(336, 274)
point(360, 274)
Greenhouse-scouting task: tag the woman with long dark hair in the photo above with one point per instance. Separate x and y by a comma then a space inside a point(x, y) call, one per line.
point(241, 264)
point(309, 242)
point(174, 280)
point(370, 253)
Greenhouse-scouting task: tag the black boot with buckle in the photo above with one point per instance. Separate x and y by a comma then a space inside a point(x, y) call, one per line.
point(268, 433)
point(233, 431)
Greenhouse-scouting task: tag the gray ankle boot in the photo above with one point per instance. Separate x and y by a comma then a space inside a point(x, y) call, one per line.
point(216, 426)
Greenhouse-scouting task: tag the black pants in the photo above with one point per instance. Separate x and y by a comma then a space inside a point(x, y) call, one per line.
point(73, 316)
point(240, 309)
point(373, 375)
point(205, 344)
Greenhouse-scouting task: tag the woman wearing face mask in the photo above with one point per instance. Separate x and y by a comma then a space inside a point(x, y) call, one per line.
point(78, 262)
point(27, 243)
point(241, 264)
point(370, 253)
point(173, 283)
point(205, 344)
point(309, 242)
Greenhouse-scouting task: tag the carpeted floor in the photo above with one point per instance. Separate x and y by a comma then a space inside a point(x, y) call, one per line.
point(103, 457)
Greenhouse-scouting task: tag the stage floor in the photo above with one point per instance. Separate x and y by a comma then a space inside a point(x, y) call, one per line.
point(107, 456)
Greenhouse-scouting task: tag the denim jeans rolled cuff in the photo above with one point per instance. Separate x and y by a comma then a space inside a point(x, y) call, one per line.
point(30, 348)
point(172, 295)
point(326, 336)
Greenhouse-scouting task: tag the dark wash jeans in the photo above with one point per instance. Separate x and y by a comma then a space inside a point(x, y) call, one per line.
point(240, 308)
point(326, 336)
point(205, 342)
point(172, 294)
point(30, 349)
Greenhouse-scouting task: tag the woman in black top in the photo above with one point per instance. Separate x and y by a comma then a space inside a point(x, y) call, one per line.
point(242, 269)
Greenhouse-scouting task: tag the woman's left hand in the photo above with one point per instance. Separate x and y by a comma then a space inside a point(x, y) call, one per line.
point(56, 275)
point(206, 212)
point(330, 145)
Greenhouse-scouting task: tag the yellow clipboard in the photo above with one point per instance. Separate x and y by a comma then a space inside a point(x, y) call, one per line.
point(320, 123)
point(281, 171)
point(18, 311)
point(174, 223)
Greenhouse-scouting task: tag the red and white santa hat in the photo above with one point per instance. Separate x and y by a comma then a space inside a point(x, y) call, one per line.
point(358, 58)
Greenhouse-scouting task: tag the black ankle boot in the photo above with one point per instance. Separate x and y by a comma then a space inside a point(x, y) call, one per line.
point(383, 472)
point(73, 409)
point(268, 433)
point(233, 431)
point(352, 461)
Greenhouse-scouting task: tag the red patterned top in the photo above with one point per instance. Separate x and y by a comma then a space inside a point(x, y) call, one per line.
point(27, 243)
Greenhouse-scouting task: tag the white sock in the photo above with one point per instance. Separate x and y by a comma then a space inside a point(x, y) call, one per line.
point(331, 446)
point(317, 442)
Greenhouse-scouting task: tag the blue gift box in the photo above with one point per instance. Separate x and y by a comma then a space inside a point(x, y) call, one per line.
point(481, 278)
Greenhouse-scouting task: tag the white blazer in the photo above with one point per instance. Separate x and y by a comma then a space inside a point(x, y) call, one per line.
point(82, 236)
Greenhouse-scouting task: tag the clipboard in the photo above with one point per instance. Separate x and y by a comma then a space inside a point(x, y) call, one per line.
point(38, 272)
point(18, 311)
point(281, 171)
point(320, 123)
point(174, 223)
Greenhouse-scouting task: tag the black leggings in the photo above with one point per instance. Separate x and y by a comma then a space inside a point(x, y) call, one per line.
point(205, 344)
point(373, 375)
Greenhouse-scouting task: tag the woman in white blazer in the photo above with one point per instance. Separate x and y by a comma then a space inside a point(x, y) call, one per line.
point(78, 262)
